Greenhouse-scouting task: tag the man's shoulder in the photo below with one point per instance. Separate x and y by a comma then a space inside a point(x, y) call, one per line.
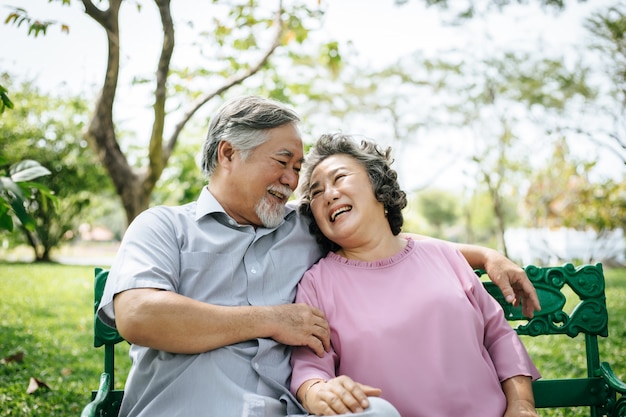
point(292, 209)
point(166, 216)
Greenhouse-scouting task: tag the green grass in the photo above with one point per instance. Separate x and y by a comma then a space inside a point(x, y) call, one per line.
point(46, 312)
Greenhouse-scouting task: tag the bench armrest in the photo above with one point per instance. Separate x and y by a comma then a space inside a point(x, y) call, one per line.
point(611, 379)
point(617, 405)
point(104, 389)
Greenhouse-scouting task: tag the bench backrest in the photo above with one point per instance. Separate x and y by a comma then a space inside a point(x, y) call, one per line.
point(555, 286)
point(584, 287)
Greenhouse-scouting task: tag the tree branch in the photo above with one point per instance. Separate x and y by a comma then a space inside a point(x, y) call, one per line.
point(100, 132)
point(158, 158)
point(603, 144)
point(229, 82)
point(95, 13)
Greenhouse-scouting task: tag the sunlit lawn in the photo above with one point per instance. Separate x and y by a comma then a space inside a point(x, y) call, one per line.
point(46, 313)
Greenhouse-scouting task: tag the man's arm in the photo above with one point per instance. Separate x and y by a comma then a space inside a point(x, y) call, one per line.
point(507, 275)
point(174, 323)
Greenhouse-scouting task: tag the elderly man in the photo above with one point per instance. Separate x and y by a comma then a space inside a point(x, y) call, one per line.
point(205, 291)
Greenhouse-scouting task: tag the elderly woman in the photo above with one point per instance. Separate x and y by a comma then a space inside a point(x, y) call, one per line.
point(409, 320)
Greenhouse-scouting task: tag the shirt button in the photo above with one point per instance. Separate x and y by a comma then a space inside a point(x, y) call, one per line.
point(256, 366)
point(253, 270)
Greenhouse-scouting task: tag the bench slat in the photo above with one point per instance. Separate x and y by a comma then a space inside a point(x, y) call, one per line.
point(575, 392)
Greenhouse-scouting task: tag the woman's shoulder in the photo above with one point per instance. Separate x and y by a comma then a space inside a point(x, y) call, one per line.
point(434, 244)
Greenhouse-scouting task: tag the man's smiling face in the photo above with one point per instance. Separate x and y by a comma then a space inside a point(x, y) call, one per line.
point(265, 180)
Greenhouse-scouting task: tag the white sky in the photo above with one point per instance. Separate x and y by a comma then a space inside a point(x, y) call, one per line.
point(381, 31)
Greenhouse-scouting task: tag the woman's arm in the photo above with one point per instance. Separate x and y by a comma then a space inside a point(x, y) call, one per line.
point(339, 395)
point(519, 397)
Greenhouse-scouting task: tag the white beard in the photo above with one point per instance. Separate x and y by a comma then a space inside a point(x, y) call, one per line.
point(271, 215)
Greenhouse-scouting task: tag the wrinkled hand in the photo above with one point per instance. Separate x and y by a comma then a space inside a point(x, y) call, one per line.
point(520, 408)
point(339, 395)
point(301, 325)
point(513, 282)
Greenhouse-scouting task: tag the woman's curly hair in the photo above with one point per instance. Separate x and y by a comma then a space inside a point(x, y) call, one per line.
point(377, 163)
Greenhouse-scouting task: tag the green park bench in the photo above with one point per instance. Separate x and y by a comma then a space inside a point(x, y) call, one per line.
point(601, 391)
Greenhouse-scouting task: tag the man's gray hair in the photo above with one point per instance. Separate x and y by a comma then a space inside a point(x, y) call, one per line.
point(243, 122)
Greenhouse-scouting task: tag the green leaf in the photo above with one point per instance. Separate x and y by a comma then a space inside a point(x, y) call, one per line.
point(26, 219)
point(5, 101)
point(27, 170)
point(7, 184)
point(6, 220)
point(47, 195)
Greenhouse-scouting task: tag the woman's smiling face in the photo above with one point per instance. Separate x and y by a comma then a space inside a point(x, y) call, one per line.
point(343, 202)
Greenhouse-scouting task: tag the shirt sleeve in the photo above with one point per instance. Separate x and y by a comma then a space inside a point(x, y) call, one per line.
point(504, 346)
point(148, 257)
point(306, 364)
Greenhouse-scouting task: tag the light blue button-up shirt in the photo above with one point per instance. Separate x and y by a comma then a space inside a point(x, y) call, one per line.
point(198, 251)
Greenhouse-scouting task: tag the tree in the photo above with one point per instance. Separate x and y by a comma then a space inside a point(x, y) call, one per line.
point(240, 48)
point(609, 30)
point(480, 225)
point(492, 100)
point(562, 195)
point(5, 101)
point(48, 129)
point(468, 4)
point(16, 189)
point(439, 208)
point(16, 186)
point(238, 60)
point(229, 39)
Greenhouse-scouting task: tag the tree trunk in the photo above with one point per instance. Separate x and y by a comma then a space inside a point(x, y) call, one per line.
point(499, 212)
point(100, 133)
point(135, 186)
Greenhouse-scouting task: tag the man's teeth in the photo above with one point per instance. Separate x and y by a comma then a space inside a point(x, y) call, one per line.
point(277, 195)
point(338, 212)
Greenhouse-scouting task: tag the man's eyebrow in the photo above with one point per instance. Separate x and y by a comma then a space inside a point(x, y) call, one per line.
point(288, 153)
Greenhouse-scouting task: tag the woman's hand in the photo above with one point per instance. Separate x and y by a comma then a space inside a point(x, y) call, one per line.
point(339, 395)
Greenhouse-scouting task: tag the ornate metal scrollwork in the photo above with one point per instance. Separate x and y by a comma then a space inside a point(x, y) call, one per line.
point(589, 316)
point(619, 410)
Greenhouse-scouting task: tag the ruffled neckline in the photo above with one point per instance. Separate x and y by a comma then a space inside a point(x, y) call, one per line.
point(380, 263)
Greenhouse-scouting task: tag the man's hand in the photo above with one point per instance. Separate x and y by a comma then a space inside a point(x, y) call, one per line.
point(340, 395)
point(300, 325)
point(513, 282)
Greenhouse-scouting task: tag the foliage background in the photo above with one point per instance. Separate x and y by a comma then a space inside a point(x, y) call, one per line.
point(512, 112)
